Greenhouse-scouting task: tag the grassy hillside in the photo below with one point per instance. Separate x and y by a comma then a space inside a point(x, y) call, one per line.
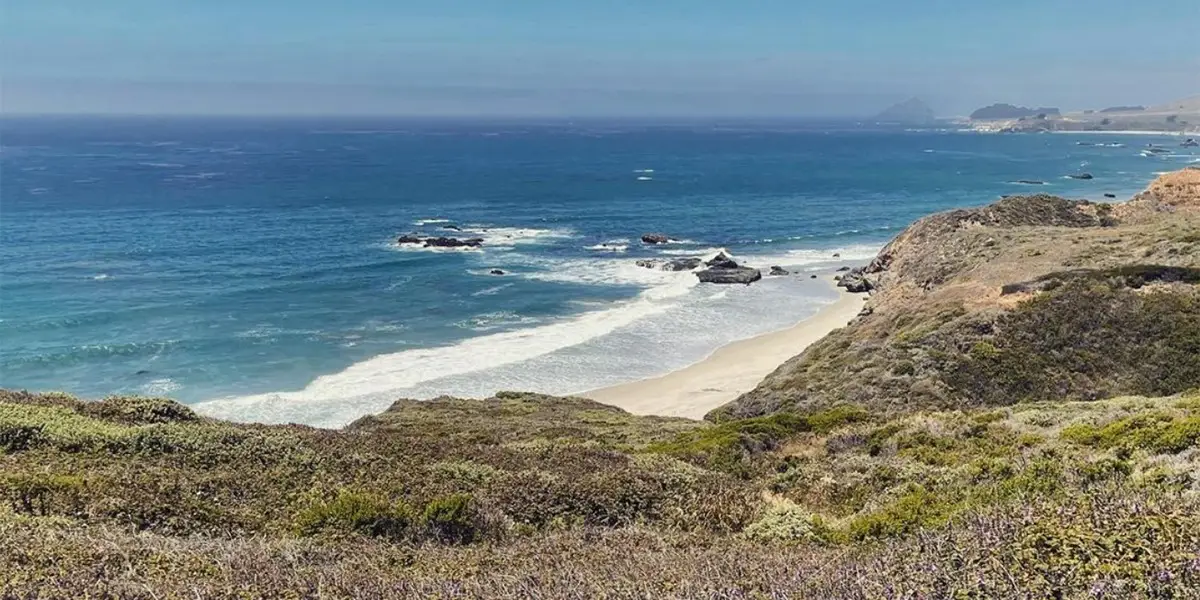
point(1029, 299)
point(534, 496)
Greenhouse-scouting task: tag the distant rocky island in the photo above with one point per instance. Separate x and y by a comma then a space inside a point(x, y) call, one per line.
point(1009, 111)
point(910, 112)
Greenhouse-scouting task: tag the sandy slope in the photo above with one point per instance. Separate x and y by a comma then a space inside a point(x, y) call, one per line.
point(730, 371)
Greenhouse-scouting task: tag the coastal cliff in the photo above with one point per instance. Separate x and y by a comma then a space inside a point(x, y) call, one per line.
point(1015, 414)
point(1030, 298)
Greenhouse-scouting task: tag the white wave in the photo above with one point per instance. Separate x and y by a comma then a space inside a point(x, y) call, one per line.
point(645, 178)
point(643, 170)
point(496, 320)
point(513, 236)
point(159, 165)
point(810, 256)
point(690, 251)
point(101, 276)
point(492, 290)
point(424, 222)
point(160, 387)
point(617, 245)
point(423, 248)
point(370, 385)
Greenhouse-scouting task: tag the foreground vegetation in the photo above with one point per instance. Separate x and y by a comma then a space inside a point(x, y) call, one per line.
point(534, 496)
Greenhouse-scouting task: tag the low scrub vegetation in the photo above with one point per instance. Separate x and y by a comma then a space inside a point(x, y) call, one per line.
point(142, 498)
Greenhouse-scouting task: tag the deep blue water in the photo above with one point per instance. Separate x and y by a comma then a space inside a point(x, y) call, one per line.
point(224, 261)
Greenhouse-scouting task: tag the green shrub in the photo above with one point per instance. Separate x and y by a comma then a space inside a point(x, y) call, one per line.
point(137, 410)
point(916, 509)
point(1155, 432)
point(42, 493)
point(355, 512)
point(788, 523)
point(452, 519)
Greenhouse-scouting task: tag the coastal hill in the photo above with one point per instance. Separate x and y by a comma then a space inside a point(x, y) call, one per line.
point(910, 112)
point(1180, 116)
point(1031, 298)
point(1009, 111)
point(1015, 414)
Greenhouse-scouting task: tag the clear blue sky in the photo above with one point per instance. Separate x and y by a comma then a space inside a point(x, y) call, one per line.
point(613, 57)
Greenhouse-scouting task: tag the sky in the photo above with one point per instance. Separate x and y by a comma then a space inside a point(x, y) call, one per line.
point(685, 58)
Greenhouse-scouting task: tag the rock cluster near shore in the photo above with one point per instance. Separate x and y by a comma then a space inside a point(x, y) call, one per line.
point(439, 242)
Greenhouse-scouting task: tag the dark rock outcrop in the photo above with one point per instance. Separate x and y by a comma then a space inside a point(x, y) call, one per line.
point(452, 227)
point(778, 271)
point(674, 264)
point(409, 239)
point(449, 242)
point(497, 272)
point(743, 275)
point(856, 281)
point(655, 238)
point(1081, 176)
point(1030, 182)
point(721, 261)
point(1110, 195)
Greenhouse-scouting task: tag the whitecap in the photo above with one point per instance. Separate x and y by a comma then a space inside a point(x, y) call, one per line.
point(160, 387)
point(159, 165)
point(615, 245)
point(424, 222)
point(492, 290)
point(101, 277)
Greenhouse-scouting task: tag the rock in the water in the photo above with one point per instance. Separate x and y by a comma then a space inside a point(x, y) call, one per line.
point(777, 271)
point(744, 275)
point(409, 239)
point(855, 281)
point(1081, 176)
point(449, 242)
point(1030, 182)
point(722, 261)
point(812, 276)
point(674, 264)
point(841, 269)
point(655, 238)
point(1110, 195)
point(837, 255)
point(452, 227)
point(497, 272)
point(1190, 143)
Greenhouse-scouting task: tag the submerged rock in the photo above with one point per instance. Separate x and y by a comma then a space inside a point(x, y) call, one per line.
point(655, 238)
point(1081, 176)
point(1030, 182)
point(743, 275)
point(777, 271)
point(1110, 195)
point(842, 269)
point(409, 239)
point(497, 272)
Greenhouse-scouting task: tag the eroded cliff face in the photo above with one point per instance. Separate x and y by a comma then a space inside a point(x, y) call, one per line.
point(1029, 298)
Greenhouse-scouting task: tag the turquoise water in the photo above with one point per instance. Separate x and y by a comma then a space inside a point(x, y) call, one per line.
point(249, 266)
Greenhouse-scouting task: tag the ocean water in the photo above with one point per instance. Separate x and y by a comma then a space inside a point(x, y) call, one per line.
point(248, 267)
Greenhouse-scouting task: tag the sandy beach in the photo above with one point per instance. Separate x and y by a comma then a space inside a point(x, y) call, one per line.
point(728, 372)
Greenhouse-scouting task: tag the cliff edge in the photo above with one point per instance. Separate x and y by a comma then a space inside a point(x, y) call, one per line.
point(1030, 298)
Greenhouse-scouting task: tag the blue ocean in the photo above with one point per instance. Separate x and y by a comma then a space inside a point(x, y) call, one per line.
point(250, 266)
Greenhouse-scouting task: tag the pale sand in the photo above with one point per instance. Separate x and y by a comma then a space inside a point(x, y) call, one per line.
point(731, 371)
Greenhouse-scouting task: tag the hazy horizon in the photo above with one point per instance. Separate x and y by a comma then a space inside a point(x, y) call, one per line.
point(545, 59)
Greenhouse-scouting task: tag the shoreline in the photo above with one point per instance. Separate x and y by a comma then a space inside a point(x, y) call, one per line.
point(730, 370)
